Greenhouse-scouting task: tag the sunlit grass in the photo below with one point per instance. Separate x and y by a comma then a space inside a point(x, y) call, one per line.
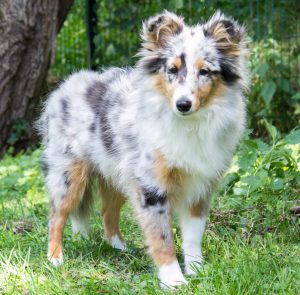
point(253, 250)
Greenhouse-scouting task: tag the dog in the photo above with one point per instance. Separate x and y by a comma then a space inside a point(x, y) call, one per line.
point(160, 135)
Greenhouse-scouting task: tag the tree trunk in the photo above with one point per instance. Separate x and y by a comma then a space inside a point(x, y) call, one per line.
point(28, 30)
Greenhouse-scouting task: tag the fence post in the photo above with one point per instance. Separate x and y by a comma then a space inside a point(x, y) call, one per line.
point(91, 22)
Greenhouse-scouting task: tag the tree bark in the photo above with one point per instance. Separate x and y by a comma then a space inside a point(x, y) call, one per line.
point(28, 30)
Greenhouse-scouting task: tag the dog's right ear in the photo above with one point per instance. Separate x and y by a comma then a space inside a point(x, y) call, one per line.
point(158, 29)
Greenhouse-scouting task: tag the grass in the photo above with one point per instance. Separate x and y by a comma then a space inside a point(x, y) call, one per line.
point(251, 246)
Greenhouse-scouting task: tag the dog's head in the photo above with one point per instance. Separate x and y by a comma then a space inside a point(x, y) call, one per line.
point(192, 67)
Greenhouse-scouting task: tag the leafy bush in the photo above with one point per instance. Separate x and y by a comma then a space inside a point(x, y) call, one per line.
point(264, 180)
point(274, 62)
point(275, 89)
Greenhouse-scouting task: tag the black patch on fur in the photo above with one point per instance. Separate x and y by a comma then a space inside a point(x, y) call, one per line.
point(153, 198)
point(183, 69)
point(155, 23)
point(163, 237)
point(52, 209)
point(229, 26)
point(206, 33)
point(67, 180)
point(161, 211)
point(106, 132)
point(154, 64)
point(65, 109)
point(96, 99)
point(92, 127)
point(95, 96)
point(68, 150)
point(45, 166)
point(228, 71)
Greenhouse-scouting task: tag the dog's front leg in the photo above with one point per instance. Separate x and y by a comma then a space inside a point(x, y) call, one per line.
point(153, 212)
point(192, 223)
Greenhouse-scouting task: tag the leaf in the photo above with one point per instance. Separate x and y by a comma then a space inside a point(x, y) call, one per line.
point(261, 70)
point(228, 181)
point(293, 137)
point(262, 146)
point(239, 191)
point(285, 85)
point(251, 144)
point(252, 181)
point(110, 50)
point(247, 160)
point(176, 4)
point(267, 92)
point(271, 130)
point(296, 96)
point(277, 184)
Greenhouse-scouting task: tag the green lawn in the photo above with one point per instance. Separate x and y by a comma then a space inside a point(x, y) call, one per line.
point(251, 246)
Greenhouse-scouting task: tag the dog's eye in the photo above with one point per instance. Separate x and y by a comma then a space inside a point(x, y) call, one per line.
point(203, 72)
point(173, 70)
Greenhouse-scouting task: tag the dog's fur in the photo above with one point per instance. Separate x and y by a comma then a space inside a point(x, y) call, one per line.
point(160, 134)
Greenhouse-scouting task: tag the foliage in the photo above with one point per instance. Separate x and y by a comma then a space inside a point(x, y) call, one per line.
point(275, 89)
point(274, 61)
point(71, 43)
point(251, 245)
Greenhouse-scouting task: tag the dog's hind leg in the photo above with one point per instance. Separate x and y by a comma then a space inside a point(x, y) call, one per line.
point(66, 188)
point(80, 217)
point(112, 202)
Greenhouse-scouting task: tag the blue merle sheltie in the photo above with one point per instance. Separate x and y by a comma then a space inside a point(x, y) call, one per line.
point(160, 134)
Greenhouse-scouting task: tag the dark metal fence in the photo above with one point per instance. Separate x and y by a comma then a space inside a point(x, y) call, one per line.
point(118, 24)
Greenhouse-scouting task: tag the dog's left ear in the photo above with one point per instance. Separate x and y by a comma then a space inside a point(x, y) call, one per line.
point(158, 29)
point(227, 33)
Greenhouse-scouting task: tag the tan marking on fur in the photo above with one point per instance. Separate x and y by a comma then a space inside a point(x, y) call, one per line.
point(78, 178)
point(170, 178)
point(160, 84)
point(207, 94)
point(161, 245)
point(229, 46)
point(112, 202)
point(167, 176)
point(200, 209)
point(199, 63)
point(177, 63)
point(162, 254)
point(160, 34)
point(56, 235)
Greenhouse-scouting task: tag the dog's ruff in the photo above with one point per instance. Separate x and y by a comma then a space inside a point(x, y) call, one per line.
point(160, 134)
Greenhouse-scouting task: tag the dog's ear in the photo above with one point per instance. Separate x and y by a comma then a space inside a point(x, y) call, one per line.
point(227, 33)
point(158, 29)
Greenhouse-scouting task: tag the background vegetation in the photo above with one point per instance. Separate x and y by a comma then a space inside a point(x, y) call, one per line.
point(274, 41)
point(252, 242)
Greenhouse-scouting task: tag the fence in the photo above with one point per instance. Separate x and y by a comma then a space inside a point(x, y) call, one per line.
point(118, 25)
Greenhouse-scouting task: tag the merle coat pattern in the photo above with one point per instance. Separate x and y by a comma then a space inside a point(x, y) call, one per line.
point(159, 134)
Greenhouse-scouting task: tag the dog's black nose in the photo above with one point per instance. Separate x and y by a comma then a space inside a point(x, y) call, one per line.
point(183, 105)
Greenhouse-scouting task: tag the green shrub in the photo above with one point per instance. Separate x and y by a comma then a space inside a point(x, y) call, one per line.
point(275, 89)
point(274, 61)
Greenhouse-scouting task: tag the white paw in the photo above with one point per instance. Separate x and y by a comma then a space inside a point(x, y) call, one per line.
point(191, 266)
point(56, 261)
point(170, 276)
point(117, 243)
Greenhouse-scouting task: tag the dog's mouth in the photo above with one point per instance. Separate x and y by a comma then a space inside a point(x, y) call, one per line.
point(184, 114)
